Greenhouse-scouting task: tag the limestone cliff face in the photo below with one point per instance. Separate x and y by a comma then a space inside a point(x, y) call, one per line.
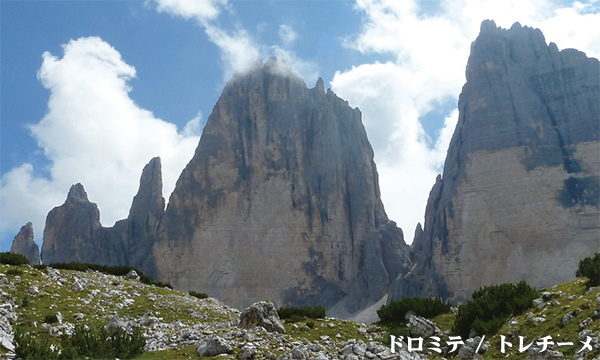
point(519, 197)
point(23, 244)
point(280, 201)
point(74, 233)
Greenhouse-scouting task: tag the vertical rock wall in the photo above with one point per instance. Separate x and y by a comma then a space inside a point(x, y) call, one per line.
point(520, 193)
point(280, 201)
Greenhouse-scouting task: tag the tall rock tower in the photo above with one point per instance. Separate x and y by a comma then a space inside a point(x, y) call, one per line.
point(23, 244)
point(280, 201)
point(520, 193)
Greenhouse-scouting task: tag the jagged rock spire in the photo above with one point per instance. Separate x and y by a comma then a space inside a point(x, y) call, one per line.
point(24, 244)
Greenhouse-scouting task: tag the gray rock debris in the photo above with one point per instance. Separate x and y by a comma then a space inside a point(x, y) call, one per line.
point(133, 275)
point(214, 345)
point(422, 327)
point(247, 352)
point(467, 350)
point(8, 316)
point(262, 313)
point(33, 290)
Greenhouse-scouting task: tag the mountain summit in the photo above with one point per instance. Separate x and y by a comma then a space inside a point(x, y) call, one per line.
point(519, 197)
point(280, 201)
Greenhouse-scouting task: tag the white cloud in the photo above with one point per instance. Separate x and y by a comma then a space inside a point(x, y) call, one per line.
point(201, 10)
point(287, 35)
point(307, 70)
point(95, 134)
point(238, 50)
point(429, 55)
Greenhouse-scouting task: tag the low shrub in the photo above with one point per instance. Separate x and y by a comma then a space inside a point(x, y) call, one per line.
point(98, 344)
point(51, 319)
point(317, 312)
point(9, 258)
point(14, 271)
point(491, 306)
point(590, 268)
point(395, 311)
point(25, 301)
point(119, 270)
point(199, 295)
point(28, 346)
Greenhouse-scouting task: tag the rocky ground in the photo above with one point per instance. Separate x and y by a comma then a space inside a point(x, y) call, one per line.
point(180, 326)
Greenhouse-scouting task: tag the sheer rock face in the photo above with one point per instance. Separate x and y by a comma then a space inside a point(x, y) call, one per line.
point(519, 197)
point(280, 201)
point(70, 229)
point(24, 244)
point(74, 233)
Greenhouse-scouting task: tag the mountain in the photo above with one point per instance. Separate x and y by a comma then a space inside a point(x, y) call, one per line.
point(281, 201)
point(520, 193)
point(23, 244)
point(73, 230)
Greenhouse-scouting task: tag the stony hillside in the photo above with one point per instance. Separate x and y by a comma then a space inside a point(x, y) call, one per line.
point(175, 325)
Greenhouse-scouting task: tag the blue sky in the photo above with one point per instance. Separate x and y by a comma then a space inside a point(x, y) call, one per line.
point(91, 90)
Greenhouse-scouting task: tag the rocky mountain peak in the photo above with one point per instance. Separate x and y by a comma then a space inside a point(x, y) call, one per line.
point(279, 200)
point(24, 244)
point(521, 174)
point(77, 194)
point(149, 204)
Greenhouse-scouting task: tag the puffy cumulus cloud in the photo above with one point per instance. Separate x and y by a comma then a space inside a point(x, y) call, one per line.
point(429, 49)
point(92, 133)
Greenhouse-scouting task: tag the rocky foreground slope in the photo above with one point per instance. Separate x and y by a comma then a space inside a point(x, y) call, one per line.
point(179, 326)
point(175, 325)
point(520, 193)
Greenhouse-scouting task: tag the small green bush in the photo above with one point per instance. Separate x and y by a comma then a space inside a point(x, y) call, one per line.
point(199, 295)
point(14, 271)
point(98, 344)
point(317, 312)
point(25, 301)
point(310, 324)
point(491, 306)
point(51, 319)
point(590, 268)
point(28, 347)
point(9, 258)
point(119, 270)
point(394, 312)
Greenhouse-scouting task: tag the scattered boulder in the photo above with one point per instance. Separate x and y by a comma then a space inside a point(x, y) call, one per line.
point(247, 352)
point(33, 290)
point(422, 327)
point(133, 275)
point(469, 349)
point(568, 317)
point(213, 346)
point(77, 285)
point(114, 323)
point(585, 323)
point(262, 313)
